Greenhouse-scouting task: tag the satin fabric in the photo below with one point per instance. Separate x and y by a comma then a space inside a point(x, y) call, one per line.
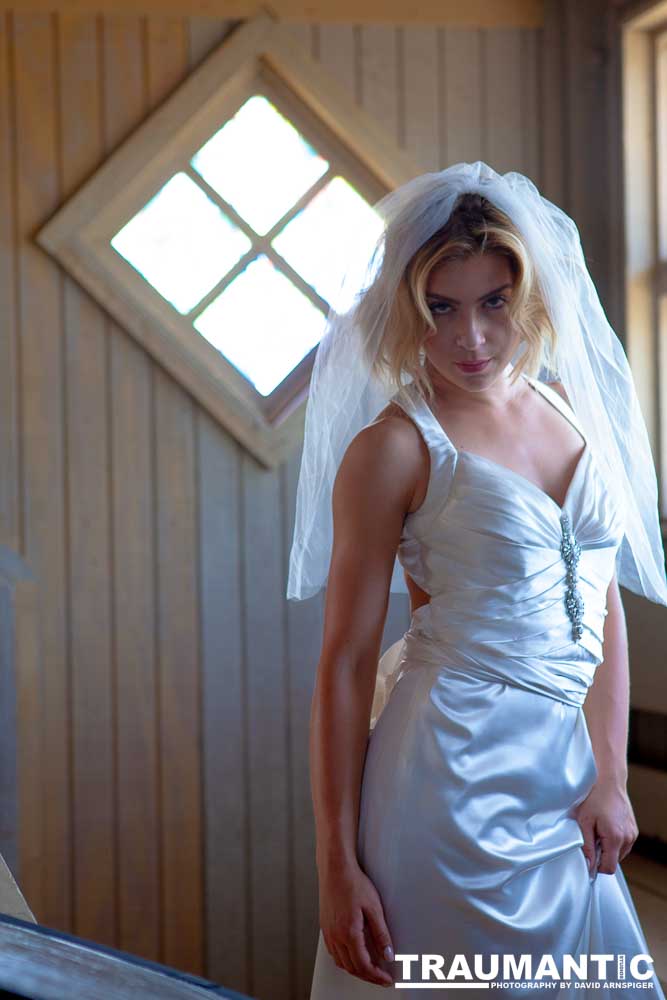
point(478, 752)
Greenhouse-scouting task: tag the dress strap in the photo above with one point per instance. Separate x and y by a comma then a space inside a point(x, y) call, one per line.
point(558, 402)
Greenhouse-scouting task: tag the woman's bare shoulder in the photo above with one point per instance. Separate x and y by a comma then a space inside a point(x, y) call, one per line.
point(388, 450)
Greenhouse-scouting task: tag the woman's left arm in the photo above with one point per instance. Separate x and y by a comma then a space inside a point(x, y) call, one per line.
point(606, 814)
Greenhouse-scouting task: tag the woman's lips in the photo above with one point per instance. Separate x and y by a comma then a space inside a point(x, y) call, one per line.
point(478, 366)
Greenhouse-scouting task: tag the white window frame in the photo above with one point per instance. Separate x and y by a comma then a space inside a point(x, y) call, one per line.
point(260, 55)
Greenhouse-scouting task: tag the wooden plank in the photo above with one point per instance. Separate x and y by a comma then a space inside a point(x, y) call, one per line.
point(179, 677)
point(90, 559)
point(39, 962)
point(43, 487)
point(462, 97)
point(10, 526)
point(303, 34)
point(130, 372)
point(30, 712)
point(421, 98)
point(530, 105)
point(136, 687)
point(467, 13)
point(586, 90)
point(304, 623)
point(552, 113)
point(337, 54)
point(271, 877)
point(139, 898)
point(379, 76)
point(223, 695)
point(502, 99)
point(24, 756)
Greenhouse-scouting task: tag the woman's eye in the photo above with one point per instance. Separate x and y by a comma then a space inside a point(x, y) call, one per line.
point(436, 307)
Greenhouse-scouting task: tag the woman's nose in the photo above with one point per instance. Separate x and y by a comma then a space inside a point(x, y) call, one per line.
point(470, 334)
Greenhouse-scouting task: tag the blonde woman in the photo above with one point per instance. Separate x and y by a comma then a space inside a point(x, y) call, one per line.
point(486, 812)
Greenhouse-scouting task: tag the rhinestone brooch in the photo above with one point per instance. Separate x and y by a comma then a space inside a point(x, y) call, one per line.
point(570, 551)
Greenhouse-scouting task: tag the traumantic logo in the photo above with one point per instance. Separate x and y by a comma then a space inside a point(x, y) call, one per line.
point(496, 971)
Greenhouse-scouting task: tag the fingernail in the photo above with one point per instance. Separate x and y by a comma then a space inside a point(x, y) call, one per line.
point(389, 953)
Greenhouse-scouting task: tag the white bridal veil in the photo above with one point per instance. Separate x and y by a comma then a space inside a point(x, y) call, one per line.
point(345, 395)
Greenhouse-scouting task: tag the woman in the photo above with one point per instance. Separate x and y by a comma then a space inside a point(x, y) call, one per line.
point(478, 815)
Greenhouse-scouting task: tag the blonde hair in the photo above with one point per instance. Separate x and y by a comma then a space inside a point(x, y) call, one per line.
point(475, 227)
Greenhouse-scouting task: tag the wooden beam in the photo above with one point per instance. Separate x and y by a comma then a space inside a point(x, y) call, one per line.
point(452, 13)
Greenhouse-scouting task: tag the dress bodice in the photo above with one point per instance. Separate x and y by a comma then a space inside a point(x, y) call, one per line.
point(518, 583)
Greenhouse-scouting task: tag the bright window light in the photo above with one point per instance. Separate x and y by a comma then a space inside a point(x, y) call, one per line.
point(259, 163)
point(262, 324)
point(323, 240)
point(181, 243)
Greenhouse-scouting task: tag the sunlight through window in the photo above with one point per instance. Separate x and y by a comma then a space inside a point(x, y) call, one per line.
point(347, 222)
point(181, 242)
point(259, 164)
point(262, 324)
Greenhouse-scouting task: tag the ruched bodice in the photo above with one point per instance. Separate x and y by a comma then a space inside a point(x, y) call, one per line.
point(495, 553)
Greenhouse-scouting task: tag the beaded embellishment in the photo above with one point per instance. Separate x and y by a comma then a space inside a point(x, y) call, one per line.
point(570, 551)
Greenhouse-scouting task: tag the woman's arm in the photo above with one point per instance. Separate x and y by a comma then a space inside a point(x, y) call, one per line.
point(607, 704)
point(607, 812)
point(372, 493)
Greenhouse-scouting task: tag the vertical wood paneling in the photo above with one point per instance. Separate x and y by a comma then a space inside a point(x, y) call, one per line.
point(552, 136)
point(271, 940)
point(43, 494)
point(86, 429)
point(463, 99)
point(224, 708)
point(503, 139)
point(123, 99)
point(337, 53)
point(179, 680)
point(10, 525)
point(530, 106)
point(29, 707)
point(167, 53)
point(134, 502)
point(421, 98)
point(586, 95)
point(305, 621)
point(379, 75)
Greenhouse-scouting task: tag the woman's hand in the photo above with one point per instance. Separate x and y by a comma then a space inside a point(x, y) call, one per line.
point(353, 925)
point(606, 815)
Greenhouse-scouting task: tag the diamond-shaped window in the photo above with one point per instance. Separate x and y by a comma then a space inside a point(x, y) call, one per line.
point(261, 302)
point(219, 232)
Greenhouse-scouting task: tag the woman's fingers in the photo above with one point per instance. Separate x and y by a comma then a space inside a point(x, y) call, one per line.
point(380, 933)
point(364, 965)
point(587, 827)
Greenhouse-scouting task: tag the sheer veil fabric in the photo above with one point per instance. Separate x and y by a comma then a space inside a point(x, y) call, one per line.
point(591, 364)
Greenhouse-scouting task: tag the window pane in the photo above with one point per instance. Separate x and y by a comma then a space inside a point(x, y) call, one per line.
point(323, 241)
point(263, 324)
point(259, 163)
point(181, 242)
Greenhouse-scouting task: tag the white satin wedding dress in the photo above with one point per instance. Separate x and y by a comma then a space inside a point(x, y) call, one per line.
point(479, 751)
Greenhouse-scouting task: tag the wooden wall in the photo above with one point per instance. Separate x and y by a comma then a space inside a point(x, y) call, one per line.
point(170, 813)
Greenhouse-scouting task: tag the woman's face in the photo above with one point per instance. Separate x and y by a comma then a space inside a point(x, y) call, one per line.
point(468, 302)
